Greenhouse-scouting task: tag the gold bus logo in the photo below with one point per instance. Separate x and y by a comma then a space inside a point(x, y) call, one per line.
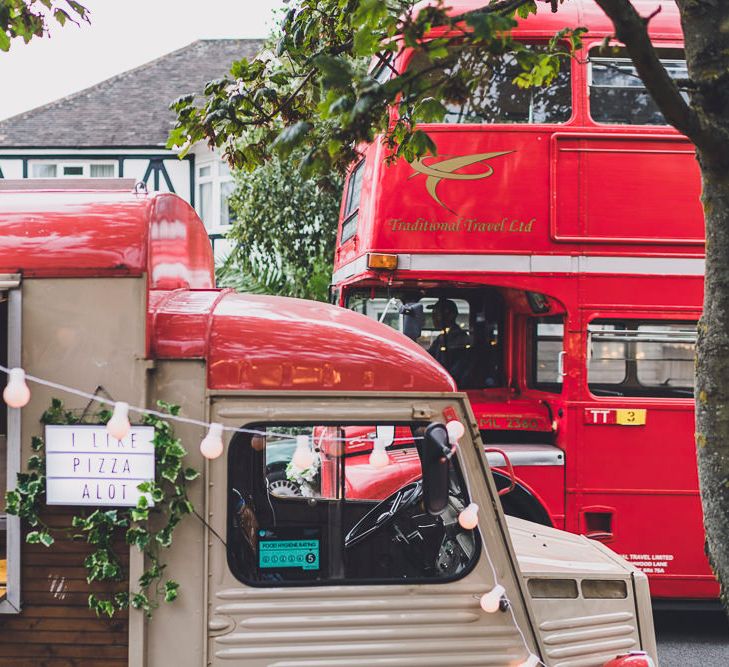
point(447, 169)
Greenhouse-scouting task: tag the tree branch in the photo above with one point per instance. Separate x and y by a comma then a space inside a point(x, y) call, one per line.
point(632, 30)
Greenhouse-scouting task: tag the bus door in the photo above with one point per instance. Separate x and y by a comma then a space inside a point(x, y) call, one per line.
point(543, 380)
point(635, 484)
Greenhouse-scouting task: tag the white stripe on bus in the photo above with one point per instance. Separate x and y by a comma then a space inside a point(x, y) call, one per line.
point(670, 266)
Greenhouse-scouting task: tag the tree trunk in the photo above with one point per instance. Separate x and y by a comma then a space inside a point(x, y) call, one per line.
point(707, 55)
point(712, 376)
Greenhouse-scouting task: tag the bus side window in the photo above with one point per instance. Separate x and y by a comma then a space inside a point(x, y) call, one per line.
point(497, 99)
point(641, 358)
point(617, 94)
point(546, 353)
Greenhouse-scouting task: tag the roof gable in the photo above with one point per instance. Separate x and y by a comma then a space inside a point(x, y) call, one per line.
point(131, 108)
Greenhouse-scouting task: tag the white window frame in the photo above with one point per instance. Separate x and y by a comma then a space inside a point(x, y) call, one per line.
point(217, 178)
point(11, 603)
point(84, 164)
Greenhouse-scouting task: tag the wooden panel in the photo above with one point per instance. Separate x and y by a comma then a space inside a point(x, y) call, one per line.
point(56, 628)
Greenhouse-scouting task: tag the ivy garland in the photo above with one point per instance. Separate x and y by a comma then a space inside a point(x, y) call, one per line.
point(147, 528)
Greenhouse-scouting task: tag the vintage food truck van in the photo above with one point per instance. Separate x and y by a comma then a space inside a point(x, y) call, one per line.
point(110, 292)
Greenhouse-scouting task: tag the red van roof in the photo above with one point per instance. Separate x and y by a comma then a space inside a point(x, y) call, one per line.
point(72, 233)
point(276, 343)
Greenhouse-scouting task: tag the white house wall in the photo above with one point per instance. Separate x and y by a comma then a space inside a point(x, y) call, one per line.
point(11, 168)
point(161, 169)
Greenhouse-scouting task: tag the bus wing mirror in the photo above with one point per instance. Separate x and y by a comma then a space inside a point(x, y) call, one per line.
point(435, 453)
point(413, 318)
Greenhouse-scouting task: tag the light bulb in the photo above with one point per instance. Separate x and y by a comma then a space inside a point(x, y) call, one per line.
point(303, 456)
point(16, 393)
point(468, 518)
point(531, 661)
point(118, 426)
point(491, 601)
point(211, 446)
point(455, 431)
point(379, 457)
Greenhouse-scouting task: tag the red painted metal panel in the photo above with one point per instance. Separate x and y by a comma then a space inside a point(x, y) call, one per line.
point(96, 233)
point(625, 189)
point(180, 254)
point(262, 342)
point(55, 234)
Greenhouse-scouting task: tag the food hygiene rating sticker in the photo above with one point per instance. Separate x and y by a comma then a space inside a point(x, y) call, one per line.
point(289, 553)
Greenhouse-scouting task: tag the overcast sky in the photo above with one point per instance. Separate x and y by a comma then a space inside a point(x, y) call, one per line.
point(123, 34)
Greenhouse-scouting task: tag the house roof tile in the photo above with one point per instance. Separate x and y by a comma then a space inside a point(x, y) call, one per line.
point(129, 109)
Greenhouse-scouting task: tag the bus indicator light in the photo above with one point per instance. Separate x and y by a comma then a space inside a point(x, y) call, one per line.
point(381, 261)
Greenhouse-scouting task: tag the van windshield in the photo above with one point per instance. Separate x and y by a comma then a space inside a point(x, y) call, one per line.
point(321, 502)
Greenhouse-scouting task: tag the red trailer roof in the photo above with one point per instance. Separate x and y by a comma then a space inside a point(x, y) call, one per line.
point(63, 233)
point(276, 343)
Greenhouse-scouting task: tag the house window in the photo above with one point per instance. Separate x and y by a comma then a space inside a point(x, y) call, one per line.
point(10, 530)
point(102, 171)
point(45, 171)
point(75, 169)
point(215, 185)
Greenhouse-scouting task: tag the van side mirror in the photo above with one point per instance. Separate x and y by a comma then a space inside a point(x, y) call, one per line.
point(413, 318)
point(435, 452)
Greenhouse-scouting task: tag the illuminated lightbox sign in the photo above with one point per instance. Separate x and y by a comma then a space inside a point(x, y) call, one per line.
point(87, 466)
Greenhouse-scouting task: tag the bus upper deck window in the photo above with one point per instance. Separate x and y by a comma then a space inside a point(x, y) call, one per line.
point(617, 94)
point(351, 203)
point(497, 99)
point(384, 68)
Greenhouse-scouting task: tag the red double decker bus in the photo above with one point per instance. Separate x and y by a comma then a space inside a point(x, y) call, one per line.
point(551, 257)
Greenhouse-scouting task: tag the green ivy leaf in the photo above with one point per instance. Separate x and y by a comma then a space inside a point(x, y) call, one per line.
point(171, 588)
point(101, 525)
point(139, 515)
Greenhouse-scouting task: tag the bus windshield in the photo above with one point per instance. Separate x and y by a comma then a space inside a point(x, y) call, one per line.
point(460, 329)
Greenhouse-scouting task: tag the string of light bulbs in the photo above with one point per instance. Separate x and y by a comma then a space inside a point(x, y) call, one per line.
point(17, 395)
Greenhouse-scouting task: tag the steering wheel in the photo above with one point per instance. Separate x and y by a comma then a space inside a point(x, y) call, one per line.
point(384, 513)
